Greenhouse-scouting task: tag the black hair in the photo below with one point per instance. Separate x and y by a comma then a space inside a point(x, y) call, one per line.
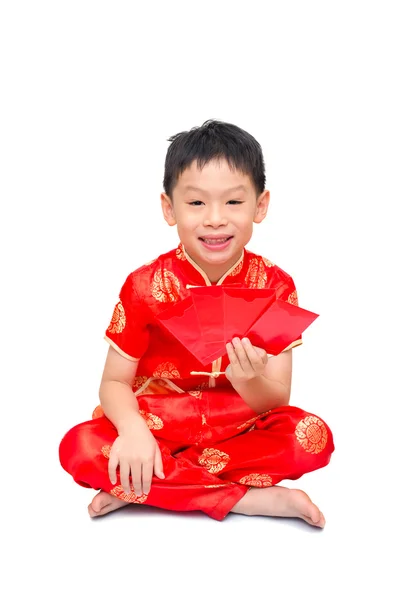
point(214, 140)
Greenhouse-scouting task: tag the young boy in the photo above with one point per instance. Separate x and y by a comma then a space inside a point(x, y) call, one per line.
point(169, 432)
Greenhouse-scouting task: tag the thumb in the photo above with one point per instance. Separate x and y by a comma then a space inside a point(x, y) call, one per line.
point(158, 464)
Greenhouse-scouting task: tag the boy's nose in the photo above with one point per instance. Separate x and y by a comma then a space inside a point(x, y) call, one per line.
point(215, 218)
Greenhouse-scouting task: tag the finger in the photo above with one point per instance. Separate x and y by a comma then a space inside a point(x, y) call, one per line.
point(242, 355)
point(236, 369)
point(112, 466)
point(136, 475)
point(147, 475)
point(125, 476)
point(253, 355)
point(158, 464)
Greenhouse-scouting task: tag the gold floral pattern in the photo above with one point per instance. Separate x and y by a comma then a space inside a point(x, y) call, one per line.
point(139, 381)
point(267, 262)
point(167, 370)
point(312, 435)
point(257, 480)
point(180, 253)
point(256, 275)
point(131, 497)
point(106, 451)
point(247, 423)
point(214, 460)
point(237, 269)
point(152, 421)
point(118, 321)
point(202, 386)
point(196, 393)
point(165, 286)
point(293, 298)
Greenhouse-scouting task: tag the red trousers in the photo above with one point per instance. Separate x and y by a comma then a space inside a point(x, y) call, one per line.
point(213, 446)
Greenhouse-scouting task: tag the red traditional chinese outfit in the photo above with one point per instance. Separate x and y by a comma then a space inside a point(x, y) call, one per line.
point(213, 445)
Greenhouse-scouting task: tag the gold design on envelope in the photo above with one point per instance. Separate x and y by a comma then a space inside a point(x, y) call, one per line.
point(257, 480)
point(180, 253)
point(131, 497)
point(106, 450)
point(167, 370)
point(118, 321)
point(214, 460)
point(256, 276)
point(165, 286)
point(312, 435)
point(152, 421)
point(293, 298)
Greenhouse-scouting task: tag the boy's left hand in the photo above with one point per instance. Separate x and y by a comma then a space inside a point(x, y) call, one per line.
point(246, 361)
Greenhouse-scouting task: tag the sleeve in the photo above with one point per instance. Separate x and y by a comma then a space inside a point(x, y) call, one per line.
point(287, 292)
point(128, 331)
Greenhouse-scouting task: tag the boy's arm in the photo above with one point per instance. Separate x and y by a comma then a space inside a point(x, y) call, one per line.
point(270, 386)
point(118, 401)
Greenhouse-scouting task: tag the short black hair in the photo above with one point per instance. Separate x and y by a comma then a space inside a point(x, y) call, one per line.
point(214, 140)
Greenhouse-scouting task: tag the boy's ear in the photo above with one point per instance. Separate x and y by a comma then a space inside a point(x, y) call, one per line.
point(168, 209)
point(261, 206)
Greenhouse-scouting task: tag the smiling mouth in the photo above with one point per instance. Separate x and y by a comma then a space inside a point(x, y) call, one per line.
point(216, 241)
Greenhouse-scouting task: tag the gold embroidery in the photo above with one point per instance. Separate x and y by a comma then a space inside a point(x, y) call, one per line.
point(248, 423)
point(118, 321)
point(202, 386)
point(167, 370)
point(196, 394)
point(152, 421)
point(256, 276)
point(106, 451)
point(203, 420)
point(237, 269)
point(257, 480)
point(293, 298)
point(214, 460)
point(267, 262)
point(253, 420)
point(180, 253)
point(216, 485)
point(312, 435)
point(139, 381)
point(165, 286)
point(131, 497)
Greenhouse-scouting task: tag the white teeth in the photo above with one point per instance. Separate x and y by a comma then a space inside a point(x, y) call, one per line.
point(215, 241)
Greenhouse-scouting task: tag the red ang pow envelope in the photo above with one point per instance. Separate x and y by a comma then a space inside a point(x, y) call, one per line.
point(212, 315)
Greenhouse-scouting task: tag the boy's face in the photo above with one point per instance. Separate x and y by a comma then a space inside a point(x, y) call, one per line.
point(214, 210)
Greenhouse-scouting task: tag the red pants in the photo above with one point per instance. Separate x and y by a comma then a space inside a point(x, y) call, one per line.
point(213, 446)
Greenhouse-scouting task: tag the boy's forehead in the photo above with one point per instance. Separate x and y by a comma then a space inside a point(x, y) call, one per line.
point(215, 175)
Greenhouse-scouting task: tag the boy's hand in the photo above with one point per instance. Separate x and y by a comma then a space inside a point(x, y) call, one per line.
point(246, 361)
point(138, 456)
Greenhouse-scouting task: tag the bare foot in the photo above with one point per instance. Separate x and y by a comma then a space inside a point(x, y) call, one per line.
point(104, 503)
point(278, 501)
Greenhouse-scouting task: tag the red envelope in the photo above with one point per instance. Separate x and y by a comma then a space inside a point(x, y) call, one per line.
point(212, 315)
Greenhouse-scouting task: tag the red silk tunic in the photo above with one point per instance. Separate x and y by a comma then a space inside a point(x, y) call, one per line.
point(136, 335)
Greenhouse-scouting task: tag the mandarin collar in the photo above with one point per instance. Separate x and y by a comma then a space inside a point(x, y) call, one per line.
point(196, 273)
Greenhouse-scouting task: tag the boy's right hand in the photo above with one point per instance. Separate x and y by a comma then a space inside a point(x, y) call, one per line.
point(138, 454)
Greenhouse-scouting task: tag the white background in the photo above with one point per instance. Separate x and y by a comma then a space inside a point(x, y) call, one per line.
point(90, 93)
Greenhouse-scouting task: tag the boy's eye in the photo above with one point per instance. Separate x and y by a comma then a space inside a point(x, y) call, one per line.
point(195, 203)
point(235, 201)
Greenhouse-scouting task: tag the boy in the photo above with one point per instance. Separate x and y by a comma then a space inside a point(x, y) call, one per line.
point(170, 432)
